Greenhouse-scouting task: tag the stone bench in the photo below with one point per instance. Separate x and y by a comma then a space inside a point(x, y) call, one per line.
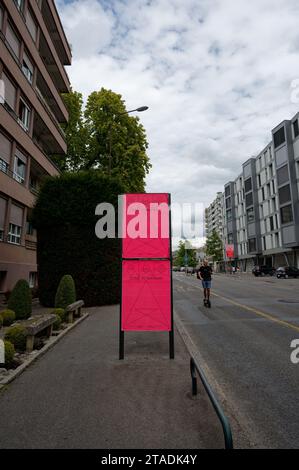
point(35, 325)
point(74, 310)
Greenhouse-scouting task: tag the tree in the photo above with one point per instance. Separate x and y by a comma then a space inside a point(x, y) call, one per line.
point(105, 138)
point(76, 135)
point(189, 252)
point(214, 246)
point(116, 141)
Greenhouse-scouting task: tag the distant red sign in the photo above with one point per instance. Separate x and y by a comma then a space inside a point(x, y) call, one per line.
point(230, 251)
point(146, 295)
point(145, 226)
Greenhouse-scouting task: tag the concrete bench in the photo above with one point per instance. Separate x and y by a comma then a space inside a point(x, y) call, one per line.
point(35, 325)
point(74, 310)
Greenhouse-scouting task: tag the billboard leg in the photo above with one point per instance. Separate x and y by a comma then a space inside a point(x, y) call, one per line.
point(121, 345)
point(171, 345)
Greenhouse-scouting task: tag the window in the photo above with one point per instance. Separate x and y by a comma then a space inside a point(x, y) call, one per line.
point(227, 191)
point(282, 175)
point(259, 181)
point(271, 223)
point(13, 41)
point(248, 185)
point(284, 194)
point(229, 214)
point(228, 203)
point(32, 279)
point(3, 205)
point(296, 128)
point(251, 245)
point(10, 93)
point(273, 204)
point(273, 187)
point(24, 115)
point(230, 239)
point(249, 199)
point(27, 68)
point(270, 170)
point(14, 234)
point(286, 214)
point(250, 214)
point(263, 194)
point(261, 211)
point(20, 167)
point(279, 137)
point(31, 25)
point(5, 152)
point(19, 4)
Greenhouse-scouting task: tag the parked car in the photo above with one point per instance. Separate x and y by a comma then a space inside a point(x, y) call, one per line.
point(263, 270)
point(287, 271)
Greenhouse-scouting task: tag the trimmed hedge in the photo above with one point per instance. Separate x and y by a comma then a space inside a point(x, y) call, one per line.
point(9, 353)
point(8, 317)
point(57, 323)
point(66, 292)
point(17, 336)
point(60, 312)
point(20, 300)
point(65, 219)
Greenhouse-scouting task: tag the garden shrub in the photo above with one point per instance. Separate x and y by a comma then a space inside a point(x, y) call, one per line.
point(8, 317)
point(20, 300)
point(60, 312)
point(9, 353)
point(66, 292)
point(65, 219)
point(57, 323)
point(17, 336)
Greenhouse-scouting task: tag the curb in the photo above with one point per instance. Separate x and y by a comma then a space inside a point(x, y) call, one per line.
point(18, 371)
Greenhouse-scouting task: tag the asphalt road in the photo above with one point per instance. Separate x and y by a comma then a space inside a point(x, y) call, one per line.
point(244, 342)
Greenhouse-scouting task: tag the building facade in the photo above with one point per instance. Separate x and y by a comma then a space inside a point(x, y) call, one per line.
point(33, 53)
point(261, 206)
point(214, 216)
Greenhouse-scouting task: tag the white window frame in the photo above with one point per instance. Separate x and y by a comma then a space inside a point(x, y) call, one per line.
point(14, 234)
point(25, 123)
point(16, 175)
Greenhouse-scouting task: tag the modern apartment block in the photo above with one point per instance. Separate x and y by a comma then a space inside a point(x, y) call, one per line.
point(214, 216)
point(33, 53)
point(261, 206)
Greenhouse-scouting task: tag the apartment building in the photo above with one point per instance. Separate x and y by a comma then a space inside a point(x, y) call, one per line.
point(214, 216)
point(33, 53)
point(261, 206)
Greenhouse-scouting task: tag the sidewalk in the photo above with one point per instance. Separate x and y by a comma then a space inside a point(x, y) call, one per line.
point(79, 395)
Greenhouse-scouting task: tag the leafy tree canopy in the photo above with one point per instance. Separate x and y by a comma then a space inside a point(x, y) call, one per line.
point(214, 246)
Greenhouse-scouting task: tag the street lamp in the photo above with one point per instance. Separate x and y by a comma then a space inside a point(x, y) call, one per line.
point(138, 110)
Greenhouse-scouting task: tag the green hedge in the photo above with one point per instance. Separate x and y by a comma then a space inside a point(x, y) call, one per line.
point(66, 292)
point(20, 300)
point(65, 219)
point(8, 317)
point(17, 336)
point(9, 353)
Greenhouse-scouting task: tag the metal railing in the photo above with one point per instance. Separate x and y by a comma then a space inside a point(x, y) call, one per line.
point(228, 438)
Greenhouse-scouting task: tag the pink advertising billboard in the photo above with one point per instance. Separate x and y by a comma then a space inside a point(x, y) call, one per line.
point(146, 300)
point(145, 226)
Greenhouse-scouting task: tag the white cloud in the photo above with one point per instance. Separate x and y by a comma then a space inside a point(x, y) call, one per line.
point(216, 75)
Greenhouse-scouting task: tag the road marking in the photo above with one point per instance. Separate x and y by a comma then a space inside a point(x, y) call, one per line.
point(258, 312)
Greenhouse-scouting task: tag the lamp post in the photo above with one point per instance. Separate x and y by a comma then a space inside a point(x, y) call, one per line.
point(138, 110)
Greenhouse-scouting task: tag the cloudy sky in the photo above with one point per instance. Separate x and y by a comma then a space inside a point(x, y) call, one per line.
point(217, 76)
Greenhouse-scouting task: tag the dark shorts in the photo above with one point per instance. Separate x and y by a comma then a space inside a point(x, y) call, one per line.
point(206, 284)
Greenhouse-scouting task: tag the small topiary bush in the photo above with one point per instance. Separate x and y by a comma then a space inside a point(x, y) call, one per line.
point(20, 300)
point(9, 353)
point(8, 317)
point(17, 336)
point(66, 292)
point(60, 312)
point(57, 323)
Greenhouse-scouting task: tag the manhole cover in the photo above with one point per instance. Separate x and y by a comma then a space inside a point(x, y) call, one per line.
point(285, 301)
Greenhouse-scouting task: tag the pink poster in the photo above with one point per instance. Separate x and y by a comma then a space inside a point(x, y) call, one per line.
point(146, 226)
point(146, 295)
